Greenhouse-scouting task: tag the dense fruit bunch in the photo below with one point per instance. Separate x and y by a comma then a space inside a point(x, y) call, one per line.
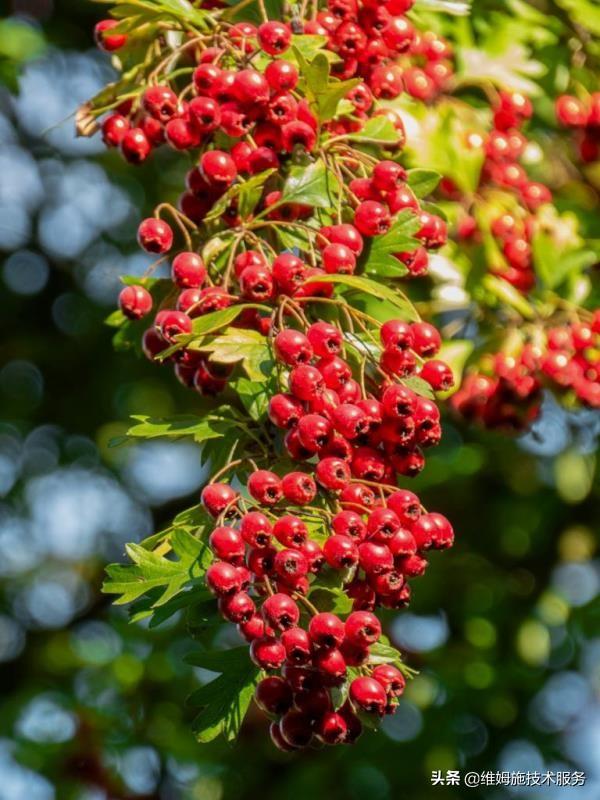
point(507, 393)
point(266, 562)
point(513, 230)
point(349, 398)
point(583, 116)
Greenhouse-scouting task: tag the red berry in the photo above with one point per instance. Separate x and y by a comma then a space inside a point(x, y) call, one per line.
point(375, 559)
point(282, 76)
point(292, 347)
point(273, 695)
point(251, 88)
point(223, 578)
point(108, 41)
point(218, 167)
point(290, 531)
point(255, 529)
point(227, 544)
point(160, 102)
point(299, 488)
point(362, 628)
point(188, 270)
point(426, 339)
point(367, 694)
point(155, 235)
point(332, 728)
point(306, 382)
point(280, 611)
point(237, 608)
point(114, 129)
point(285, 410)
point(274, 37)
point(332, 473)
point(372, 218)
point(296, 729)
point(438, 375)
point(265, 487)
point(326, 339)
point(217, 497)
point(338, 259)
point(267, 653)
point(290, 565)
point(340, 552)
point(135, 301)
point(326, 630)
point(390, 678)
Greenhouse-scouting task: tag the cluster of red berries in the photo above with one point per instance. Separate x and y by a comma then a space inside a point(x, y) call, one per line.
point(265, 562)
point(508, 393)
point(378, 43)
point(356, 427)
point(326, 413)
point(513, 231)
point(584, 117)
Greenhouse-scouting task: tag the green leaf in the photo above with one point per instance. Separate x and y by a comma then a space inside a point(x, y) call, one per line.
point(209, 323)
point(419, 386)
point(331, 599)
point(247, 193)
point(312, 186)
point(328, 101)
point(456, 354)
point(245, 345)
point(423, 181)
point(253, 395)
point(377, 130)
point(224, 701)
point(584, 13)
point(211, 426)
point(555, 263)
point(373, 289)
point(150, 570)
point(507, 294)
point(379, 258)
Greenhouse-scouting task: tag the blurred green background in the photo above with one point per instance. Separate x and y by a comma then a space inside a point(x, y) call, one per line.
point(503, 629)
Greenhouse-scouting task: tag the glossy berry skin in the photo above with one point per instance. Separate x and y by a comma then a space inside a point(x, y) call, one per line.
point(325, 339)
point(222, 578)
point(374, 558)
point(290, 531)
point(372, 218)
point(265, 487)
point(281, 75)
point(172, 323)
point(135, 302)
point(367, 694)
point(217, 497)
point(362, 628)
point(349, 523)
point(237, 608)
point(255, 529)
point(273, 695)
point(426, 339)
point(392, 680)
point(267, 653)
point(332, 728)
point(314, 432)
point(280, 611)
point(155, 236)
point(285, 410)
point(297, 645)
point(338, 259)
point(306, 382)
point(382, 524)
point(340, 552)
point(292, 347)
point(291, 565)
point(438, 375)
point(218, 167)
point(326, 630)
point(332, 473)
point(114, 129)
point(188, 270)
point(109, 42)
point(274, 37)
point(299, 488)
